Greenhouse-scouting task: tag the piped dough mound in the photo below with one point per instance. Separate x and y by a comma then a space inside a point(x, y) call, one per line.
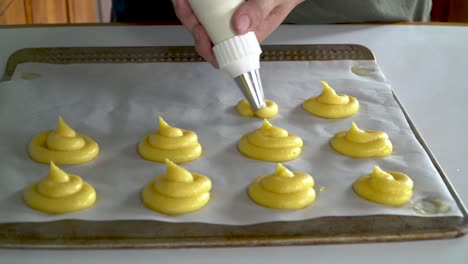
point(245, 109)
point(59, 192)
point(357, 143)
point(177, 191)
point(270, 143)
point(331, 105)
point(62, 146)
point(283, 189)
point(388, 188)
point(178, 145)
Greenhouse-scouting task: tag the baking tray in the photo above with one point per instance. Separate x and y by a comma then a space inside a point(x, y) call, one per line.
point(155, 234)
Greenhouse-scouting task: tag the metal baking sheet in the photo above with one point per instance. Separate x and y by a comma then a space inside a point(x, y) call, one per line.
point(113, 234)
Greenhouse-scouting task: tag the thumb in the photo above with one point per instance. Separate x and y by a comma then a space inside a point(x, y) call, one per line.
point(251, 14)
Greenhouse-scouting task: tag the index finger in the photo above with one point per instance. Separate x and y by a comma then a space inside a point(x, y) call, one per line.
point(185, 14)
point(189, 20)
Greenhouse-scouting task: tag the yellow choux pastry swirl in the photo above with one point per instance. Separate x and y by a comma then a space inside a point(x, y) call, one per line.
point(270, 143)
point(62, 146)
point(177, 191)
point(331, 105)
point(59, 193)
point(389, 188)
point(283, 189)
point(357, 143)
point(178, 145)
point(245, 109)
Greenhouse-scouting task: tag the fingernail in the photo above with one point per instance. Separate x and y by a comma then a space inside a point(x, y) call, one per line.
point(174, 3)
point(243, 23)
point(214, 63)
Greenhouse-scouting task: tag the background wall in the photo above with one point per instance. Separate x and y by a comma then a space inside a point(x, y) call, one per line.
point(14, 12)
point(104, 10)
point(20, 12)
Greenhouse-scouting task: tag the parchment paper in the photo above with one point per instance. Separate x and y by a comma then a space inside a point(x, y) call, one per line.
point(117, 104)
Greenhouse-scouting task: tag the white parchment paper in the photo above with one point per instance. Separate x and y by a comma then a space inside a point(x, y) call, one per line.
point(117, 104)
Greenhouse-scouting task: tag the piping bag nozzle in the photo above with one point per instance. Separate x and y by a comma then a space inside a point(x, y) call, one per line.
point(240, 57)
point(250, 84)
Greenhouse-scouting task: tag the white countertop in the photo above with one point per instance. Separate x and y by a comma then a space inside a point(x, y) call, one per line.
point(435, 96)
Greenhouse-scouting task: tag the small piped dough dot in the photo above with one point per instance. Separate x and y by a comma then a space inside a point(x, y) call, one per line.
point(357, 143)
point(270, 143)
point(363, 70)
point(430, 205)
point(178, 145)
point(331, 105)
point(62, 146)
point(283, 189)
point(388, 188)
point(245, 109)
point(30, 75)
point(177, 191)
point(59, 192)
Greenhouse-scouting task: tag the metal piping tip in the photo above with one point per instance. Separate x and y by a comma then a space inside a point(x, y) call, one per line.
point(250, 84)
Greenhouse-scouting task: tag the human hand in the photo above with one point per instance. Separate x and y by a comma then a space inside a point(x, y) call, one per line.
point(260, 16)
point(203, 43)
